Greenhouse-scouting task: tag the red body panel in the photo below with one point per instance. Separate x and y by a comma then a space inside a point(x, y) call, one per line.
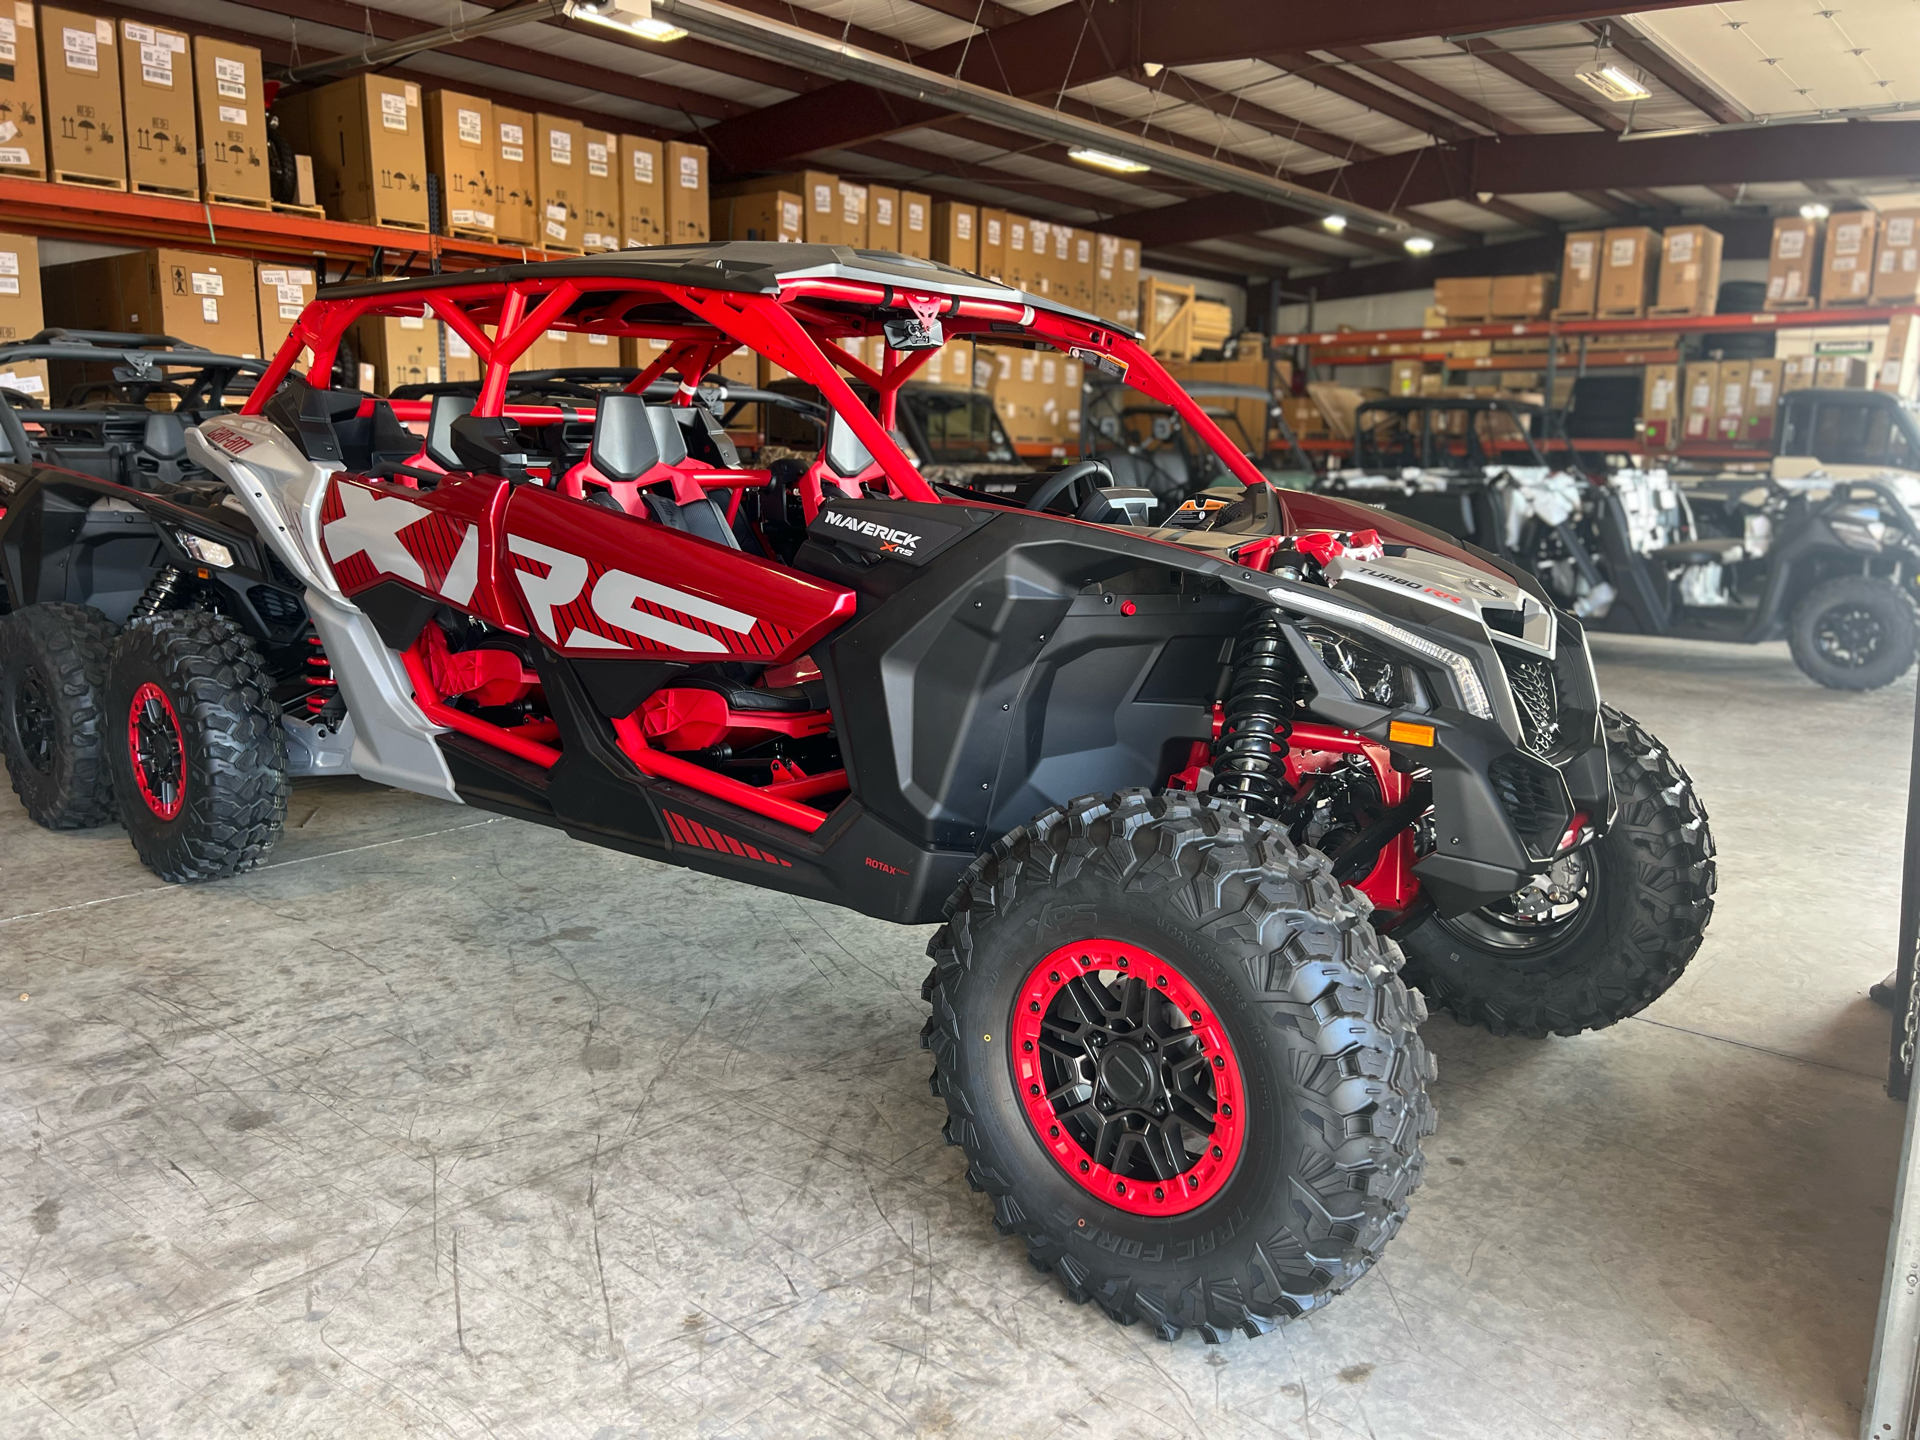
point(442, 543)
point(597, 584)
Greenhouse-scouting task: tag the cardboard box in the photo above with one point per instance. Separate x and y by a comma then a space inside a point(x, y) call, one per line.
point(204, 300)
point(1846, 276)
point(402, 349)
point(560, 189)
point(853, 213)
point(1404, 377)
point(1469, 298)
point(776, 215)
point(1660, 406)
point(1689, 271)
point(1081, 272)
point(1793, 262)
point(1699, 400)
point(643, 200)
point(232, 102)
point(956, 235)
point(460, 151)
point(1900, 365)
point(369, 148)
point(1840, 372)
point(460, 363)
point(1579, 275)
point(916, 224)
point(1730, 401)
point(1629, 265)
point(157, 98)
point(23, 138)
point(80, 63)
point(602, 219)
point(1896, 273)
point(1520, 297)
point(883, 218)
point(1763, 401)
point(1796, 373)
point(819, 192)
point(1116, 281)
point(21, 315)
point(993, 243)
point(687, 202)
point(516, 178)
point(284, 291)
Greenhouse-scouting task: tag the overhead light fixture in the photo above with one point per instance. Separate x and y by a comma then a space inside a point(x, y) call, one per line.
point(1610, 75)
point(1151, 68)
point(1419, 245)
point(1814, 210)
point(1335, 223)
point(634, 17)
point(1118, 164)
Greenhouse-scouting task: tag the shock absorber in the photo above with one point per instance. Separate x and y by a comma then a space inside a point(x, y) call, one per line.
point(322, 688)
point(1250, 753)
point(159, 590)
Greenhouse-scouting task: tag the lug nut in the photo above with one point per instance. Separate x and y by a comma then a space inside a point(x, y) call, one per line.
point(1034, 1006)
point(1194, 1016)
point(1226, 1109)
point(1120, 1187)
point(1193, 1182)
point(1053, 977)
point(1158, 1193)
point(1219, 1062)
point(1106, 1105)
point(1033, 1089)
point(1218, 1153)
point(1053, 1131)
point(1121, 962)
point(1027, 1046)
point(1161, 982)
point(1084, 1167)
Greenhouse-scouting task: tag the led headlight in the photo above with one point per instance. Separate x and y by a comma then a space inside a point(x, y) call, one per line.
point(1364, 672)
point(1466, 678)
point(207, 552)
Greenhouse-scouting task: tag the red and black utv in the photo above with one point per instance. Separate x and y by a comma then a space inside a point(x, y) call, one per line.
point(1177, 797)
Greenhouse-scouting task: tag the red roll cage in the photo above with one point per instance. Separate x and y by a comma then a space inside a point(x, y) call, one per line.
point(795, 328)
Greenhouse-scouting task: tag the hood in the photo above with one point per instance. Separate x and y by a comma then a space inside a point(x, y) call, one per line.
point(1429, 588)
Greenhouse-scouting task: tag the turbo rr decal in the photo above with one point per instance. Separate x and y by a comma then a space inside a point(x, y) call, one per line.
point(582, 605)
point(371, 536)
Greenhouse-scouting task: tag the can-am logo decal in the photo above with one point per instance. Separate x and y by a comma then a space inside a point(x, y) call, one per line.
point(896, 542)
point(231, 441)
point(623, 602)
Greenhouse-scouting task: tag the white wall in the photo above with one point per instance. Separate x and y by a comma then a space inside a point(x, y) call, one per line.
point(1400, 310)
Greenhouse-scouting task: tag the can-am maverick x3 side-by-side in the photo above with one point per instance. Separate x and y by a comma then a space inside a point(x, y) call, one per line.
point(1177, 797)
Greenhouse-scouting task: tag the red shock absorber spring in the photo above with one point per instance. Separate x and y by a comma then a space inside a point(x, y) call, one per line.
point(321, 686)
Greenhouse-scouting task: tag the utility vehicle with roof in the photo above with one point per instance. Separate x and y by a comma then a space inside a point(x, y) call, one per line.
point(1177, 797)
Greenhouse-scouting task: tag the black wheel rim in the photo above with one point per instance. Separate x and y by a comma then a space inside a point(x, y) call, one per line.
point(1850, 636)
point(33, 720)
point(1549, 912)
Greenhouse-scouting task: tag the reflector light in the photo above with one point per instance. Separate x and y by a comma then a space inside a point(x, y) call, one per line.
point(1402, 732)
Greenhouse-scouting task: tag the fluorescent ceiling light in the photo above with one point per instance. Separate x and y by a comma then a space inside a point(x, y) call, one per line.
point(1419, 245)
point(1119, 164)
point(634, 17)
point(1335, 223)
point(1606, 74)
point(1814, 210)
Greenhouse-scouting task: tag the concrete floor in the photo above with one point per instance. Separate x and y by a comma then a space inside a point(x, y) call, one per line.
point(444, 1125)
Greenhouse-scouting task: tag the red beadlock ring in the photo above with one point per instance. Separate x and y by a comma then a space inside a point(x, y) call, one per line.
point(149, 763)
point(1205, 1174)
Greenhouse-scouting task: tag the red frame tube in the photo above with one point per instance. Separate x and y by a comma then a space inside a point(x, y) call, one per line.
point(662, 766)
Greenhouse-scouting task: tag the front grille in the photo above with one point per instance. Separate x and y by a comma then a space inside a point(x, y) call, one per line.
point(1534, 799)
point(279, 609)
point(1537, 698)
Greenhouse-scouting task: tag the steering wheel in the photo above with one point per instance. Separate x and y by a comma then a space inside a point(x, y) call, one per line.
point(1098, 472)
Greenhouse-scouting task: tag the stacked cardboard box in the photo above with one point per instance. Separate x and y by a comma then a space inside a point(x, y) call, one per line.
point(1465, 299)
point(1579, 275)
point(602, 218)
point(369, 148)
point(1846, 276)
point(516, 179)
point(86, 131)
point(21, 315)
point(1660, 406)
point(1629, 265)
point(460, 154)
point(916, 224)
point(883, 218)
point(853, 214)
point(285, 290)
point(643, 199)
point(559, 160)
point(956, 239)
point(1520, 297)
point(1730, 401)
point(156, 94)
point(23, 139)
point(1689, 271)
point(401, 349)
point(820, 206)
point(760, 215)
point(1793, 263)
point(1896, 274)
point(1116, 287)
point(1701, 382)
point(993, 244)
point(1763, 402)
point(204, 300)
point(232, 105)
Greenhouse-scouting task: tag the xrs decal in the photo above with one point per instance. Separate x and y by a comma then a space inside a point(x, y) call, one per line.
point(660, 616)
point(369, 537)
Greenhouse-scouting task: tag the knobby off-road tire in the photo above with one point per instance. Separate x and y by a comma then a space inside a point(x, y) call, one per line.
point(1299, 1015)
point(53, 671)
point(1651, 881)
point(1852, 633)
point(199, 760)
